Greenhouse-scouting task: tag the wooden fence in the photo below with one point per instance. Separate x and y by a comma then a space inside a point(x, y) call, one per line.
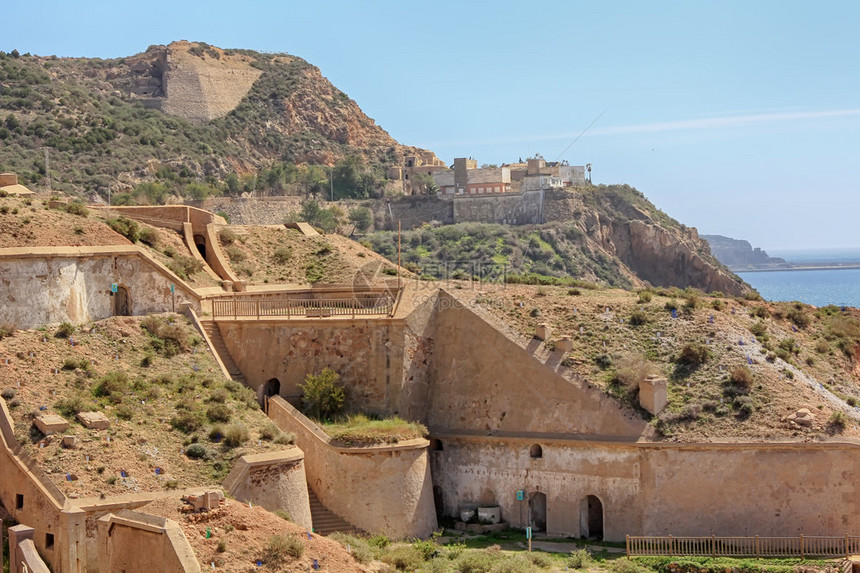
point(301, 307)
point(801, 546)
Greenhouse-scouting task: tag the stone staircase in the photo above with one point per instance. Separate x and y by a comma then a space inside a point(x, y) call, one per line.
point(325, 521)
point(214, 334)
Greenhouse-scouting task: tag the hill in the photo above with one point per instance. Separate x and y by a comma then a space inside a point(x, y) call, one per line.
point(185, 116)
point(739, 254)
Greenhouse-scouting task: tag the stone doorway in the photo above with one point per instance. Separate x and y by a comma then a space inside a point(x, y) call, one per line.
point(273, 387)
point(121, 302)
point(591, 518)
point(537, 511)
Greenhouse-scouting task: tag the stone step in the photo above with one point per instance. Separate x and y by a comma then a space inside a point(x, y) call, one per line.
point(324, 520)
point(218, 345)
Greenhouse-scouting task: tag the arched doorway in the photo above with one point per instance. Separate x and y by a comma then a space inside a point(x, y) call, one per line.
point(273, 387)
point(200, 243)
point(591, 518)
point(121, 302)
point(537, 511)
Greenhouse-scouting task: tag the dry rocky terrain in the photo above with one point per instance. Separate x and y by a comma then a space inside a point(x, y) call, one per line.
point(760, 362)
point(157, 406)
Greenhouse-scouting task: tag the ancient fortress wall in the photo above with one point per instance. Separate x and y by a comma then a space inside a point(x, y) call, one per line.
point(509, 208)
point(482, 380)
point(656, 489)
point(368, 355)
point(48, 285)
point(384, 488)
point(273, 480)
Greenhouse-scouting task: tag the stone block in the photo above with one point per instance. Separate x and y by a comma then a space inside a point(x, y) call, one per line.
point(204, 500)
point(94, 420)
point(542, 332)
point(69, 441)
point(51, 424)
point(228, 285)
point(653, 394)
point(565, 344)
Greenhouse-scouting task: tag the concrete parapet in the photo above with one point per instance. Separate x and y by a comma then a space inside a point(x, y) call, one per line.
point(273, 480)
point(543, 331)
point(23, 556)
point(383, 488)
point(133, 541)
point(565, 344)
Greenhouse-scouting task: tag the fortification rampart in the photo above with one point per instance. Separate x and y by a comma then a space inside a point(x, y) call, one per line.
point(47, 285)
point(382, 488)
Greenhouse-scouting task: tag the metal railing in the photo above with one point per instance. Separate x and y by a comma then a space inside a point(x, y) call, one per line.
point(301, 307)
point(802, 546)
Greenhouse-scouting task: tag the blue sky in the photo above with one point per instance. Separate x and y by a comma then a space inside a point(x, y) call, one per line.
point(740, 118)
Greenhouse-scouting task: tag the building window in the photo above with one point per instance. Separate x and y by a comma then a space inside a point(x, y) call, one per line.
point(536, 452)
point(436, 445)
point(19, 501)
point(49, 541)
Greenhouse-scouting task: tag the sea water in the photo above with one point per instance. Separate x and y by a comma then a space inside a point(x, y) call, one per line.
point(840, 287)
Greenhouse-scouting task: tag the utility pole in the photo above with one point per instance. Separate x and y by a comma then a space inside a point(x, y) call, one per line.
point(398, 253)
point(331, 180)
point(48, 168)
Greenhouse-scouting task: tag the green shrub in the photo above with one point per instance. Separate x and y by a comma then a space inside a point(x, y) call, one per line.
point(75, 363)
point(580, 559)
point(838, 420)
point(283, 515)
point(184, 266)
point(71, 405)
point(644, 296)
point(478, 561)
point(404, 558)
point(718, 304)
point(323, 395)
point(115, 382)
point(798, 315)
point(124, 412)
point(227, 236)
point(65, 330)
point(198, 452)
point(76, 208)
point(186, 422)
point(628, 566)
point(603, 361)
point(7, 329)
point(126, 227)
point(166, 338)
point(760, 311)
point(638, 318)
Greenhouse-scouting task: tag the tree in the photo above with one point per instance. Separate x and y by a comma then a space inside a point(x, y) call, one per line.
point(234, 187)
point(315, 180)
point(361, 218)
point(425, 183)
point(323, 396)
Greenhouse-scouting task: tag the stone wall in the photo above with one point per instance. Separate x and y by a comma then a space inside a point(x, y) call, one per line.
point(382, 489)
point(73, 284)
point(368, 355)
point(482, 380)
point(132, 541)
point(274, 480)
point(655, 489)
point(509, 208)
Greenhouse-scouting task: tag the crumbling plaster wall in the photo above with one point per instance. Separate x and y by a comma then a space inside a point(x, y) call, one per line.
point(657, 489)
point(65, 286)
point(510, 208)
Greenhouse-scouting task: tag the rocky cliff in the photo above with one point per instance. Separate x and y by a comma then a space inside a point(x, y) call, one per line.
point(739, 254)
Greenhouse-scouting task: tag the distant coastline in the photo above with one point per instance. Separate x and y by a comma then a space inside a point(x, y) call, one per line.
point(805, 266)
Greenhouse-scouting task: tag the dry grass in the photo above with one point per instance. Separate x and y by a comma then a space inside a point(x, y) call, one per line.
point(360, 429)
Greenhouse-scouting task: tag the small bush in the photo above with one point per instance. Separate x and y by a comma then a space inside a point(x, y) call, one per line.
point(838, 420)
point(671, 305)
point(644, 296)
point(798, 315)
point(633, 369)
point(7, 329)
point(404, 558)
point(603, 361)
point(235, 254)
point(741, 376)
point(822, 347)
point(283, 515)
point(126, 227)
point(219, 395)
point(717, 304)
point(9, 393)
point(851, 401)
point(628, 566)
point(282, 255)
point(323, 395)
point(148, 236)
point(76, 208)
point(184, 266)
point(75, 363)
point(218, 413)
point(166, 338)
point(124, 412)
point(198, 452)
point(281, 547)
point(65, 330)
point(115, 382)
point(186, 422)
point(693, 354)
point(638, 318)
point(580, 559)
point(235, 435)
point(227, 236)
